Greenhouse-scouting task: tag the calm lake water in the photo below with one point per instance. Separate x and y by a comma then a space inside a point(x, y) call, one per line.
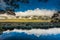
point(34, 34)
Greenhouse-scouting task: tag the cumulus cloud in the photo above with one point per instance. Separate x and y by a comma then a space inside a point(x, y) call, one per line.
point(37, 32)
point(37, 11)
point(4, 16)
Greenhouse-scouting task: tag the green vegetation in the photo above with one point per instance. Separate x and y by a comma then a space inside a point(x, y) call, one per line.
point(1, 30)
point(28, 26)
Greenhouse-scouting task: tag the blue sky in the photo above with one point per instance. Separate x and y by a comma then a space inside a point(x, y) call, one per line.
point(33, 4)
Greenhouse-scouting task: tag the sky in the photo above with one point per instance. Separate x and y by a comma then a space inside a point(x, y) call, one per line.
point(33, 4)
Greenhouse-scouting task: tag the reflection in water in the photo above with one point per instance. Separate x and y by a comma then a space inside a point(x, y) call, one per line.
point(34, 34)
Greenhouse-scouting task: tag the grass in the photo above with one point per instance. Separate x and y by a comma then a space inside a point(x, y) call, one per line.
point(23, 20)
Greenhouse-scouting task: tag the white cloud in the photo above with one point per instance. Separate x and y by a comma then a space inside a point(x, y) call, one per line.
point(36, 12)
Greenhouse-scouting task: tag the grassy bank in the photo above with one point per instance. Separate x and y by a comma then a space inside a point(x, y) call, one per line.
point(23, 20)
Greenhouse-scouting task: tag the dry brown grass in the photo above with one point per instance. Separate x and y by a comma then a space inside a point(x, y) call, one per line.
point(23, 20)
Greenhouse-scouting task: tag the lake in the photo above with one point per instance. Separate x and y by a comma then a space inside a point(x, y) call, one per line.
point(33, 34)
